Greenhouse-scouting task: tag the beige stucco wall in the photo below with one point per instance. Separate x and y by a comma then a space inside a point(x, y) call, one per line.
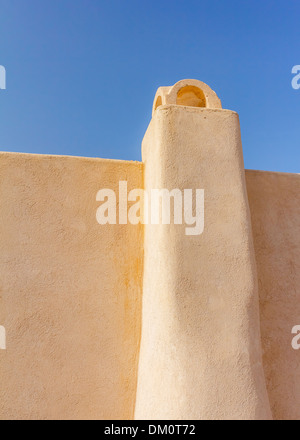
point(200, 325)
point(70, 290)
point(209, 337)
point(275, 210)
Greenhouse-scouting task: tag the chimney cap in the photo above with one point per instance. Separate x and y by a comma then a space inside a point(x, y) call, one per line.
point(187, 92)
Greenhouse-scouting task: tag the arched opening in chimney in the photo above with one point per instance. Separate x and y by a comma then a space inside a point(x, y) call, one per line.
point(191, 96)
point(158, 102)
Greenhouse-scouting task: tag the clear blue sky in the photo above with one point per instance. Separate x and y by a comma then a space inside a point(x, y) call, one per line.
point(82, 74)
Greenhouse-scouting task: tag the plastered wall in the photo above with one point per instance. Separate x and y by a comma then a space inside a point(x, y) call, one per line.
point(274, 200)
point(123, 321)
point(70, 290)
point(200, 313)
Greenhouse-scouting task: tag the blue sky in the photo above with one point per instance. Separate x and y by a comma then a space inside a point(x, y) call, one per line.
point(82, 74)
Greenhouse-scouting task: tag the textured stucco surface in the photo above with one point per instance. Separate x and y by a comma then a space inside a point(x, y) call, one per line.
point(70, 290)
point(274, 200)
point(200, 325)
